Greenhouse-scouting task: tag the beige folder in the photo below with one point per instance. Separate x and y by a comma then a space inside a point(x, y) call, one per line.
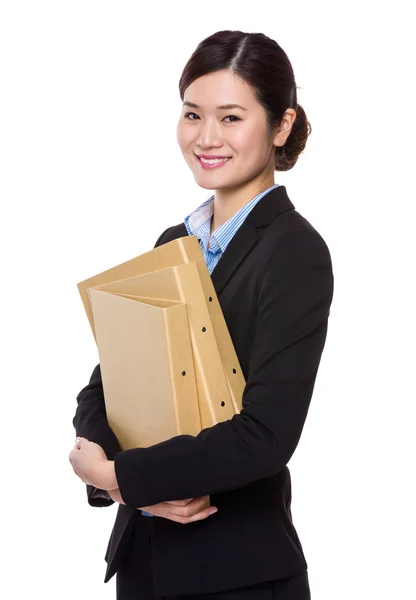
point(177, 284)
point(177, 252)
point(147, 368)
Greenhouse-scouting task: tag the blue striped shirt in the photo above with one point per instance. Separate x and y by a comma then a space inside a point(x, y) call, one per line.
point(198, 223)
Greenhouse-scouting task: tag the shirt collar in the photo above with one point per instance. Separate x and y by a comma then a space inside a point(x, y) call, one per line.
point(198, 222)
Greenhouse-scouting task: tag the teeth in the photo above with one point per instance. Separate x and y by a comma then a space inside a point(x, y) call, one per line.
point(213, 162)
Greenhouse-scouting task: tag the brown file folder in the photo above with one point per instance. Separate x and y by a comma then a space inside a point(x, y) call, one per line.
point(182, 284)
point(147, 369)
point(179, 251)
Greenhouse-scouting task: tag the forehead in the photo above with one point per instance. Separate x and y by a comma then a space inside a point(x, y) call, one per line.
point(219, 88)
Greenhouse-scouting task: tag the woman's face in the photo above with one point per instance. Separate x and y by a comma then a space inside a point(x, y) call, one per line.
point(239, 133)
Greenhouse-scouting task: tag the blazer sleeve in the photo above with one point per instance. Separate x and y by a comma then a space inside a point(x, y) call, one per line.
point(90, 421)
point(295, 289)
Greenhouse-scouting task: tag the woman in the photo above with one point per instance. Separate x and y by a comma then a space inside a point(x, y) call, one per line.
point(272, 273)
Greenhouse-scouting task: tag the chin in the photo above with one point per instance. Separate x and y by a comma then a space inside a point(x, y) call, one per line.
point(201, 185)
point(214, 183)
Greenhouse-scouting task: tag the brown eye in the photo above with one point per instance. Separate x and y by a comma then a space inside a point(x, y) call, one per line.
point(228, 117)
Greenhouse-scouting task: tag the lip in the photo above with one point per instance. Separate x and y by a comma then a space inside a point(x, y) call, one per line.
point(216, 166)
point(210, 156)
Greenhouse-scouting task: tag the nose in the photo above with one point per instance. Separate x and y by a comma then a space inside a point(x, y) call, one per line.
point(210, 135)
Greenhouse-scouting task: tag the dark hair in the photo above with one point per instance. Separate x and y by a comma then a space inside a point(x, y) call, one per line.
point(264, 65)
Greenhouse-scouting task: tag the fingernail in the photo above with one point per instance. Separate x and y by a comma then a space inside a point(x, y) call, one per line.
point(212, 511)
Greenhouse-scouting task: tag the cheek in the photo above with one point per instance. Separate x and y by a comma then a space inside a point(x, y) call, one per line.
point(183, 135)
point(248, 140)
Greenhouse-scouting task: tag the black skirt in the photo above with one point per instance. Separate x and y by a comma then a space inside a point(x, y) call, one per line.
point(134, 577)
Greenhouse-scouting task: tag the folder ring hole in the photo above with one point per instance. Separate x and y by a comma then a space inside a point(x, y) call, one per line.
point(234, 371)
point(204, 329)
point(223, 403)
point(183, 373)
point(210, 299)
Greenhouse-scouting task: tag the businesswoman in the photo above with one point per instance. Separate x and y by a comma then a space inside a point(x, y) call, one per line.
point(272, 273)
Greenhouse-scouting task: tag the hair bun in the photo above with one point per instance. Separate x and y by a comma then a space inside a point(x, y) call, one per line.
point(286, 156)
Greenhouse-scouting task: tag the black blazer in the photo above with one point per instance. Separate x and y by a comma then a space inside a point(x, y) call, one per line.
point(274, 283)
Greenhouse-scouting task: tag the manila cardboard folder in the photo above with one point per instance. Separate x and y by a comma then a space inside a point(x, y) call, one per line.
point(139, 290)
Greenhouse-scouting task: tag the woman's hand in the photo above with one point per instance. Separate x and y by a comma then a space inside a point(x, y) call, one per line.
point(181, 511)
point(90, 463)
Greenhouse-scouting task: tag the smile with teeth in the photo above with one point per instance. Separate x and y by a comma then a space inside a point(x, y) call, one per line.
point(213, 161)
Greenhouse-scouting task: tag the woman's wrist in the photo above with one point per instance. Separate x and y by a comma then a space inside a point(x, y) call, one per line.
point(105, 476)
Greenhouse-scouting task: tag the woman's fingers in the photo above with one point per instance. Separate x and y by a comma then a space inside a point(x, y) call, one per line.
point(197, 508)
point(183, 511)
point(180, 502)
point(199, 516)
point(199, 501)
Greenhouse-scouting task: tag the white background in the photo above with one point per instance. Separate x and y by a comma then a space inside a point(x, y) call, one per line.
point(91, 174)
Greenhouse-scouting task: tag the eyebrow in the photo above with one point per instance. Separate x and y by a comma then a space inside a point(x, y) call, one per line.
point(222, 107)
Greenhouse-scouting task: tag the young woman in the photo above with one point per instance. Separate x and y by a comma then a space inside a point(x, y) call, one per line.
point(272, 272)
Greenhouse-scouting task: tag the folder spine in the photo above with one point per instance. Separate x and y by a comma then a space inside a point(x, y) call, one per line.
point(213, 391)
point(182, 370)
point(191, 251)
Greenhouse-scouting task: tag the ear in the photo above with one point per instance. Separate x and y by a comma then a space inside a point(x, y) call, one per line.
point(285, 127)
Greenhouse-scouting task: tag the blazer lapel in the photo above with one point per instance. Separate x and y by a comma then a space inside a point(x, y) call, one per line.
point(246, 237)
point(241, 243)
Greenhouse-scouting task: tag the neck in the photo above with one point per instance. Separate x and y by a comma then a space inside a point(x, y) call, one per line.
point(228, 201)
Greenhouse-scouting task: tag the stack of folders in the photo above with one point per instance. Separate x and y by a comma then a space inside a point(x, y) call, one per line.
point(168, 364)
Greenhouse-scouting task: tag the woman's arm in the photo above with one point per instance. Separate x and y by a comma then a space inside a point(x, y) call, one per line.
point(294, 298)
point(90, 421)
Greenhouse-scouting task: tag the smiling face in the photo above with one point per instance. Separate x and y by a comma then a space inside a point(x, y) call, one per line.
point(239, 133)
